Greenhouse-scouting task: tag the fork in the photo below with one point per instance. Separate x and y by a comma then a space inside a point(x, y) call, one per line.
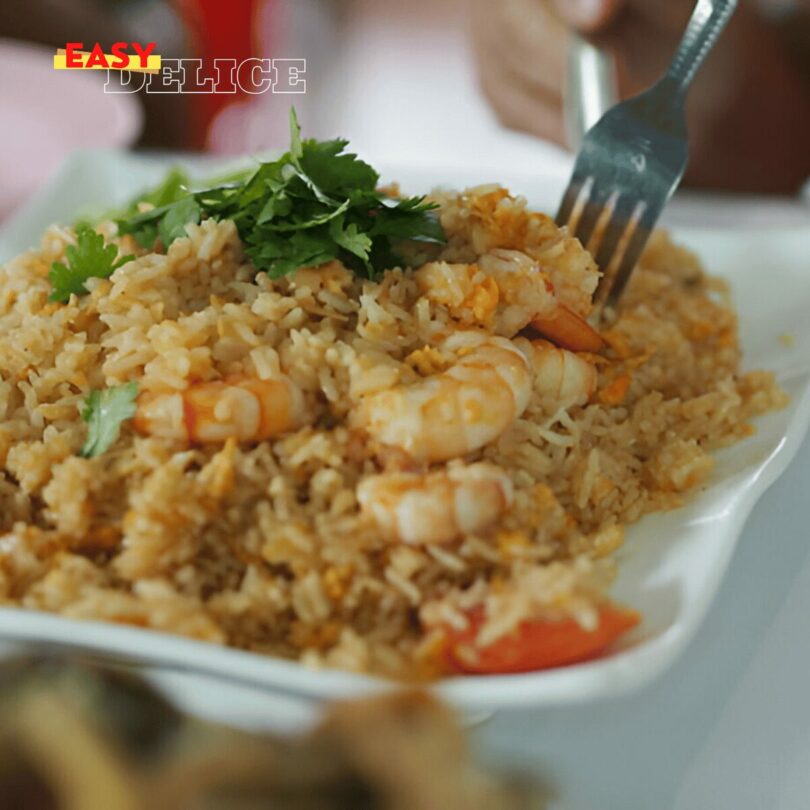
point(632, 160)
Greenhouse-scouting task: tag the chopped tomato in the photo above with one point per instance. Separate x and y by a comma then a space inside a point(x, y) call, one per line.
point(537, 644)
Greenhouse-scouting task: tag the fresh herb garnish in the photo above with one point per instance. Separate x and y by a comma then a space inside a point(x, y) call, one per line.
point(172, 188)
point(175, 185)
point(105, 411)
point(316, 203)
point(88, 258)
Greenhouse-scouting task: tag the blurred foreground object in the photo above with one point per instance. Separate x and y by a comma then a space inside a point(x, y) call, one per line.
point(749, 112)
point(75, 737)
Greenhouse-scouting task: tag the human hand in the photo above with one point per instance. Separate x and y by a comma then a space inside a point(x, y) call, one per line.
point(749, 108)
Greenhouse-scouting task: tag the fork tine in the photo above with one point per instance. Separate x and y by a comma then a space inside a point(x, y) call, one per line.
point(596, 207)
point(576, 185)
point(625, 212)
point(631, 256)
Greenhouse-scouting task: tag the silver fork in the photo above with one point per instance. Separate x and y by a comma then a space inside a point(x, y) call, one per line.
point(633, 159)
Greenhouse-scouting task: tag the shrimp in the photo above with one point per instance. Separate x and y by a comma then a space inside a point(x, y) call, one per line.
point(558, 374)
point(530, 300)
point(437, 507)
point(455, 412)
point(569, 331)
point(507, 291)
point(249, 410)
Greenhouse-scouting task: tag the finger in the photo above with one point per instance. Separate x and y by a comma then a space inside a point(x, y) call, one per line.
point(535, 42)
point(601, 18)
point(589, 16)
point(523, 106)
point(522, 35)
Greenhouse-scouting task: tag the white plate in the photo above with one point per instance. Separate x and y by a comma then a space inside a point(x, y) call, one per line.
point(672, 563)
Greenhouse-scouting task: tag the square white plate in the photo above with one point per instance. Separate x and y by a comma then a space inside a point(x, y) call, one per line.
point(672, 563)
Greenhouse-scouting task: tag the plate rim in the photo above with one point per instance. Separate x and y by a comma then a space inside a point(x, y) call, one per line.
point(617, 673)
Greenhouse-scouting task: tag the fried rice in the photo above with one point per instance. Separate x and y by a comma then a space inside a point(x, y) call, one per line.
point(263, 546)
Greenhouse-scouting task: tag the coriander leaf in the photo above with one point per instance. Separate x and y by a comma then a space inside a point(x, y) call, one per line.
point(335, 173)
point(350, 238)
point(143, 226)
point(219, 198)
point(88, 258)
point(277, 205)
point(409, 219)
point(168, 222)
point(280, 254)
point(172, 188)
point(147, 234)
point(181, 213)
point(308, 185)
point(269, 176)
point(309, 218)
point(313, 204)
point(382, 256)
point(295, 135)
point(105, 411)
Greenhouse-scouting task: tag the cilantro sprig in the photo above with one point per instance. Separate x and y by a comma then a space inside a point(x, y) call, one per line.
point(105, 411)
point(316, 203)
point(88, 258)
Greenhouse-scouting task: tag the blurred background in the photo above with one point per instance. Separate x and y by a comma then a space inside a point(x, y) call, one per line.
point(425, 82)
point(395, 78)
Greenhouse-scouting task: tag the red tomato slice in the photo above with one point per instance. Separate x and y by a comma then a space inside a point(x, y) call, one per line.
point(537, 644)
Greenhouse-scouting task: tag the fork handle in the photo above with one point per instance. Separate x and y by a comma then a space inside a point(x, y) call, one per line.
point(707, 23)
point(590, 88)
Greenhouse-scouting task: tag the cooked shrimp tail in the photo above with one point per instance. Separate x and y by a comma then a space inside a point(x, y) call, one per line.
point(507, 291)
point(568, 330)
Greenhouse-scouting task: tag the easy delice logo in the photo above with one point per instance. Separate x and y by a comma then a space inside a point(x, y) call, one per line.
point(74, 57)
point(138, 68)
